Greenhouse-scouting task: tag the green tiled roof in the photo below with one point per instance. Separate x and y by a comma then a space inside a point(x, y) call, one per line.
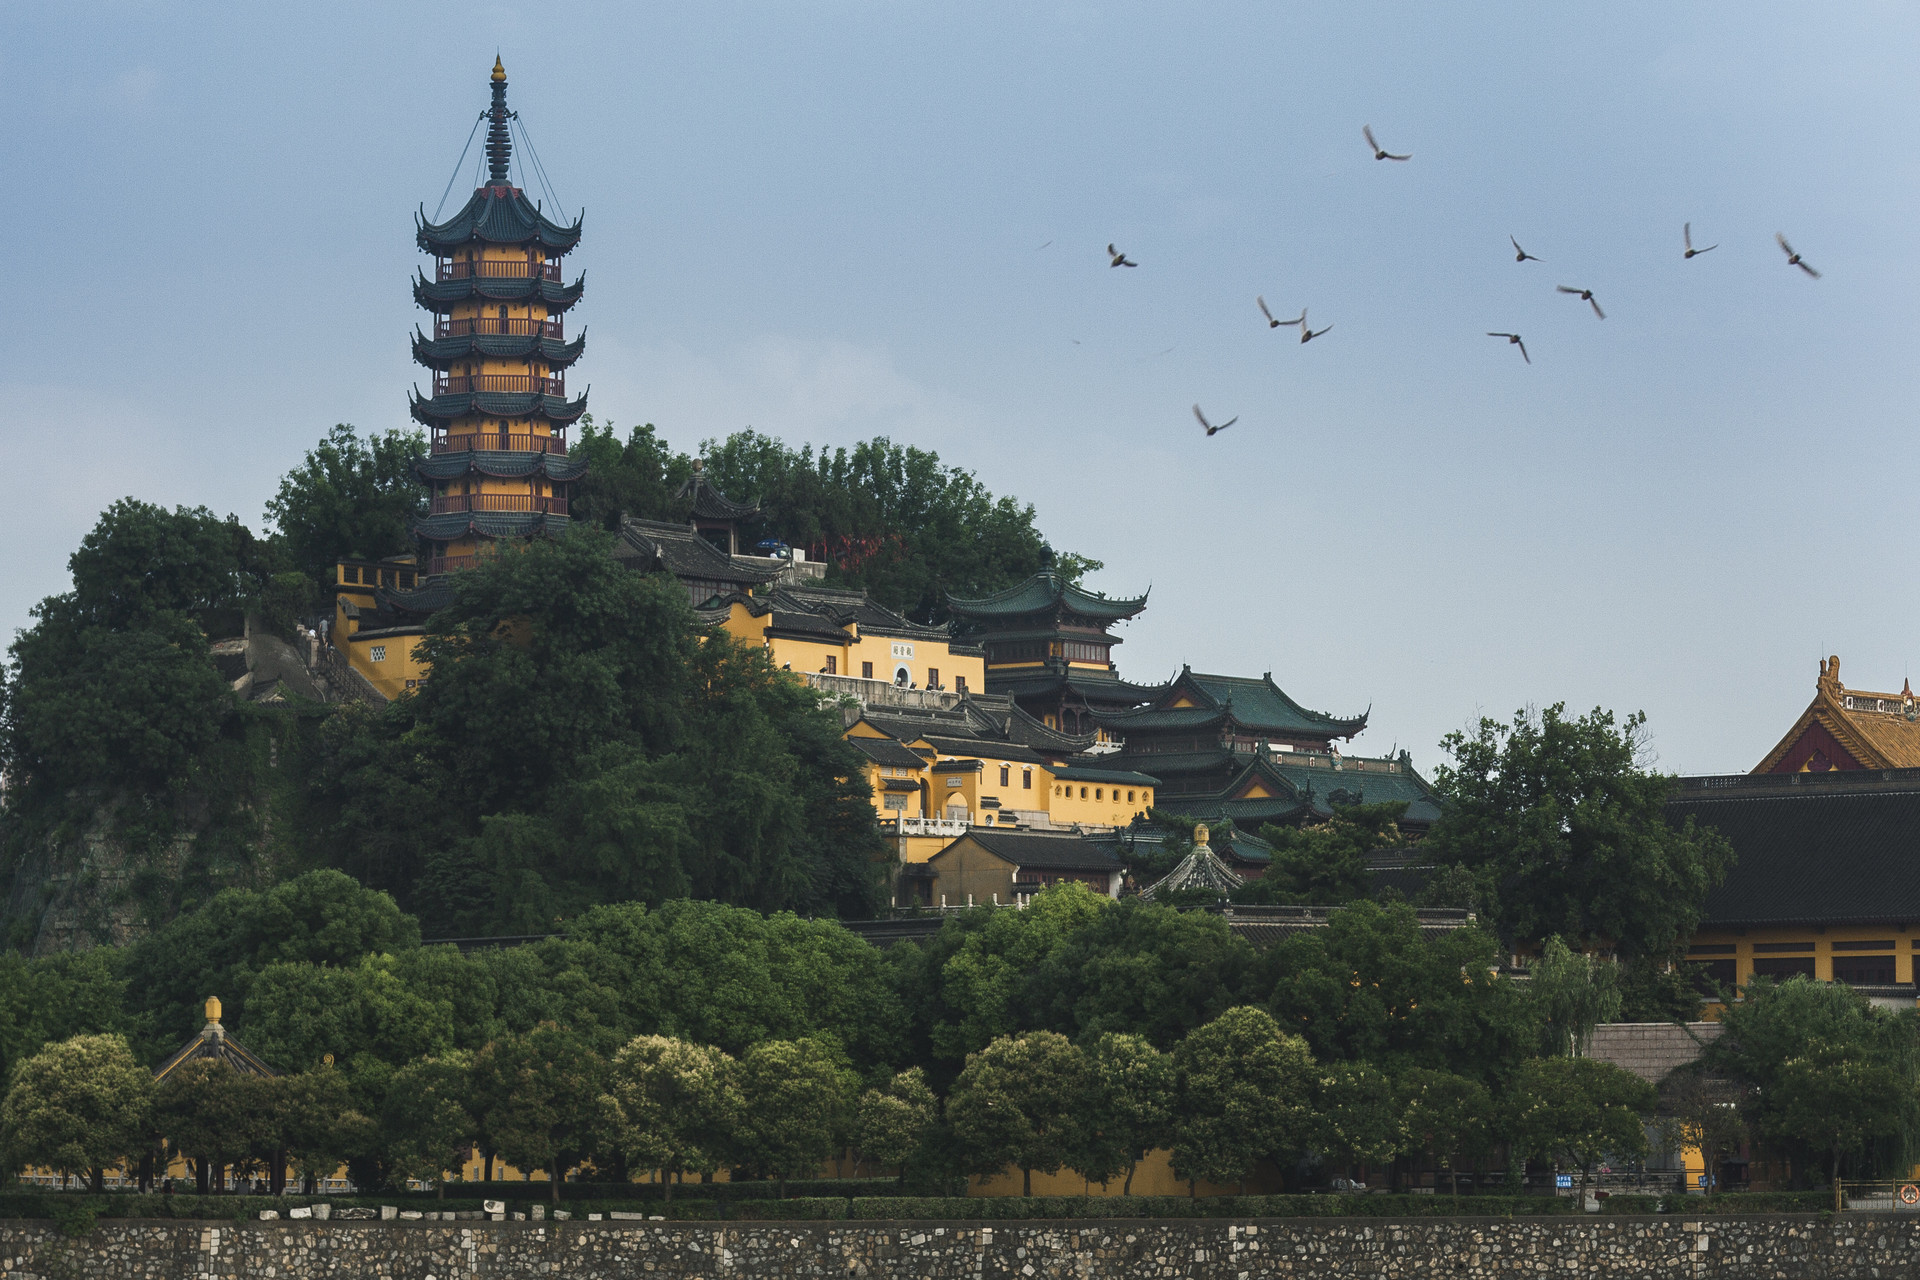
point(496, 215)
point(1125, 778)
point(495, 404)
point(440, 295)
point(1258, 705)
point(504, 463)
point(1030, 681)
point(1041, 593)
point(438, 353)
point(488, 524)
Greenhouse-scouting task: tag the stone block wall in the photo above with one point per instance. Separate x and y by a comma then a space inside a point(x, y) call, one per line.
point(1790, 1247)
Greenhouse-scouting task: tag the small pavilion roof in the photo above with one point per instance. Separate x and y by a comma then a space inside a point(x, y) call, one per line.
point(1201, 869)
point(708, 502)
point(214, 1042)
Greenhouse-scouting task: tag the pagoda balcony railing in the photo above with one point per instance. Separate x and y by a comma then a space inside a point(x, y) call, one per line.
point(498, 502)
point(522, 383)
point(499, 440)
point(446, 327)
point(496, 268)
point(450, 564)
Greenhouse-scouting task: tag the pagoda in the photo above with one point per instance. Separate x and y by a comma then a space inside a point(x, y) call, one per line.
point(1050, 648)
point(497, 464)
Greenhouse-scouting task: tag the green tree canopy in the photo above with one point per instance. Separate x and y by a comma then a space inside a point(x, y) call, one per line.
point(536, 1099)
point(77, 1106)
point(425, 1119)
point(1571, 994)
point(1360, 1122)
point(1242, 1092)
point(1446, 1116)
point(1014, 1104)
point(350, 499)
point(1578, 1110)
point(675, 1105)
point(1126, 1110)
point(1370, 987)
point(892, 1123)
point(1565, 827)
point(794, 1101)
point(1326, 864)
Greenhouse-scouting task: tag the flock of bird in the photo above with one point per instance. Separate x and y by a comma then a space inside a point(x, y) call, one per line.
point(1118, 258)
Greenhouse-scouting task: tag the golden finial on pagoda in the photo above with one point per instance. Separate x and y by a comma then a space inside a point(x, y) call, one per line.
point(499, 71)
point(1200, 834)
point(213, 1009)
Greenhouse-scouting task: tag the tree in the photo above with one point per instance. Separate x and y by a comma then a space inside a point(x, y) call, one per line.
point(321, 1126)
point(1703, 1112)
point(350, 499)
point(1126, 1109)
point(1837, 1098)
point(1372, 987)
point(1326, 864)
point(1359, 1120)
point(537, 1099)
point(1242, 1091)
point(1013, 1105)
point(891, 1123)
point(77, 1106)
point(1446, 1116)
point(1572, 994)
point(1565, 826)
point(675, 1105)
point(1578, 1110)
point(216, 1117)
point(794, 1096)
point(425, 1120)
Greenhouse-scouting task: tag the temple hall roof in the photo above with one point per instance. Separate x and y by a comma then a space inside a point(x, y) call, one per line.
point(1041, 852)
point(1846, 728)
point(1811, 848)
point(1259, 706)
point(887, 751)
point(1042, 593)
point(708, 502)
point(678, 549)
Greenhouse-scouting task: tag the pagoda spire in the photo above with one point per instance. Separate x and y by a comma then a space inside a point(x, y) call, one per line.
point(499, 143)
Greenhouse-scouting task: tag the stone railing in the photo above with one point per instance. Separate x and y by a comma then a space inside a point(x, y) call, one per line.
point(349, 684)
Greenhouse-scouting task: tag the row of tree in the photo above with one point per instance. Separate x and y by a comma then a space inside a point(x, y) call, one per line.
point(1233, 1093)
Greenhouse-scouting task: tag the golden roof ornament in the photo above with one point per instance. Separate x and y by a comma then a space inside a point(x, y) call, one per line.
point(499, 71)
point(213, 1011)
point(1200, 834)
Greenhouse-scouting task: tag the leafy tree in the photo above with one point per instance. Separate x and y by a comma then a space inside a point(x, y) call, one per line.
point(674, 1105)
point(350, 499)
point(1126, 1110)
point(1446, 1116)
point(142, 562)
point(221, 947)
point(536, 1099)
point(1370, 987)
point(637, 478)
point(56, 997)
point(1778, 1038)
point(1359, 1119)
point(1661, 989)
point(1242, 1090)
point(1139, 968)
point(1566, 828)
point(794, 1096)
point(1578, 1110)
point(1013, 1105)
point(425, 1119)
point(321, 1126)
point(215, 1116)
point(1326, 864)
point(1573, 994)
point(1703, 1112)
point(891, 1123)
point(77, 1106)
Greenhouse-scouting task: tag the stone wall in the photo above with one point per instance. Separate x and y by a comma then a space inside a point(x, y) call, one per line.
point(1791, 1247)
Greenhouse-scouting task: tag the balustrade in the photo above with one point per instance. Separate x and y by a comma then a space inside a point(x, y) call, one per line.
point(492, 268)
point(522, 383)
point(502, 441)
point(498, 502)
point(447, 327)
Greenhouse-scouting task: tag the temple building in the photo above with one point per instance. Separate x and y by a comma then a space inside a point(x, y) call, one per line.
point(1049, 646)
point(1239, 750)
point(1846, 728)
point(499, 413)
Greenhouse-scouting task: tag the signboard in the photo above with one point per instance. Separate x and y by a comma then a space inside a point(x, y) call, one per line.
point(902, 650)
point(1563, 1180)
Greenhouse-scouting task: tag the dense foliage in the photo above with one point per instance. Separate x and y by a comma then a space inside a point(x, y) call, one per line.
point(349, 499)
point(890, 518)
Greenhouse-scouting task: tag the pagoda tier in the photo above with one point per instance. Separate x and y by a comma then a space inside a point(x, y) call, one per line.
point(497, 465)
point(443, 353)
point(1050, 648)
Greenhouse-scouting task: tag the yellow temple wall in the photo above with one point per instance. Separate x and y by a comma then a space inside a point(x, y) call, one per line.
point(1102, 805)
point(1822, 946)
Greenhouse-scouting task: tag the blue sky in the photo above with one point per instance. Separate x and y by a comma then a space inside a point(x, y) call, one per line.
point(825, 220)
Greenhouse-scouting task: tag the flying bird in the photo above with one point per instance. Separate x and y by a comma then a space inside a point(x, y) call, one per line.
point(1119, 259)
point(1379, 152)
point(1794, 259)
point(1211, 429)
point(1686, 230)
point(1586, 296)
point(1275, 324)
point(1519, 254)
point(1514, 338)
point(1306, 334)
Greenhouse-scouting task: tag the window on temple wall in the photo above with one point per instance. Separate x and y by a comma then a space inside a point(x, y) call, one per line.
point(1006, 775)
point(959, 684)
point(1096, 794)
point(1129, 797)
point(933, 677)
point(866, 671)
point(1026, 779)
point(833, 664)
point(1083, 793)
point(377, 653)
